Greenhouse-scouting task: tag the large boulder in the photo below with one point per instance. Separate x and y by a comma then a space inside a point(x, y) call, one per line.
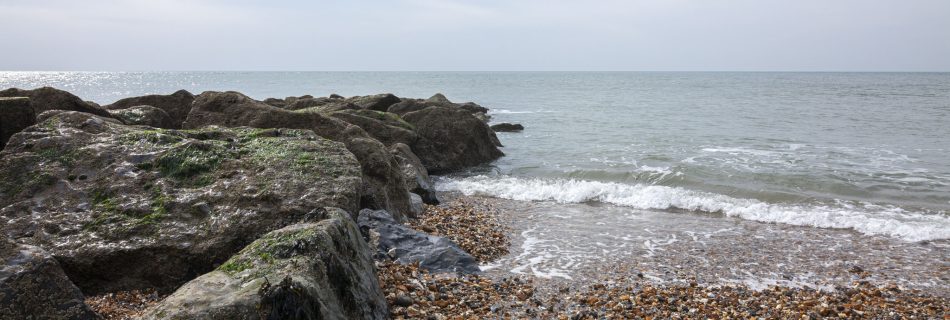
point(416, 175)
point(144, 115)
point(406, 246)
point(383, 184)
point(33, 286)
point(407, 105)
point(131, 207)
point(177, 105)
point(378, 102)
point(15, 115)
point(386, 127)
point(452, 139)
point(322, 270)
point(47, 98)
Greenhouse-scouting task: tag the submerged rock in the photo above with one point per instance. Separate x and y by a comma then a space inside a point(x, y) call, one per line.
point(33, 286)
point(452, 139)
point(176, 105)
point(405, 245)
point(507, 127)
point(318, 270)
point(15, 115)
point(47, 98)
point(129, 207)
point(144, 115)
point(383, 183)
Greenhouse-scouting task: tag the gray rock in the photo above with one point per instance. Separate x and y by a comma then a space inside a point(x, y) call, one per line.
point(406, 106)
point(130, 207)
point(452, 139)
point(378, 102)
point(507, 127)
point(177, 105)
point(405, 245)
point(15, 115)
point(439, 99)
point(416, 175)
point(473, 108)
point(33, 286)
point(383, 183)
point(144, 115)
point(417, 204)
point(386, 127)
point(304, 271)
point(47, 98)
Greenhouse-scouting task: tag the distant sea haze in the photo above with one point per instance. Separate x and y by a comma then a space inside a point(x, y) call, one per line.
point(861, 151)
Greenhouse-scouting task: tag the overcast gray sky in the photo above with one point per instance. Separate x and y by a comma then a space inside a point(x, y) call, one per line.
point(801, 35)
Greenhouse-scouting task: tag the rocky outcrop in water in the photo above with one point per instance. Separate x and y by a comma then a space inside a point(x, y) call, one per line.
point(15, 115)
point(507, 127)
point(403, 244)
point(383, 184)
point(453, 139)
point(320, 270)
point(128, 207)
point(46, 98)
point(177, 105)
point(33, 286)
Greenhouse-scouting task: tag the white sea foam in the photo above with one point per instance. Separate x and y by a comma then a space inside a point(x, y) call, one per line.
point(506, 111)
point(862, 217)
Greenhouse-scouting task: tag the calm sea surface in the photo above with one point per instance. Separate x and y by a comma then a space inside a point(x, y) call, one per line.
point(861, 151)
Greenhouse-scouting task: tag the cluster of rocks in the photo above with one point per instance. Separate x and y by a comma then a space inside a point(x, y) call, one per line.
point(233, 207)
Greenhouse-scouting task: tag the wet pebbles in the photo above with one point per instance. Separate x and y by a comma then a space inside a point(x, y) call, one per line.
point(123, 304)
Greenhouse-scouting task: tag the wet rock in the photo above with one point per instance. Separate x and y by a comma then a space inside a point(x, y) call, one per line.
point(47, 98)
point(144, 115)
point(322, 270)
point(406, 246)
point(15, 115)
point(130, 207)
point(176, 105)
point(416, 176)
point(386, 127)
point(452, 139)
point(417, 204)
point(474, 108)
point(407, 105)
point(33, 286)
point(383, 183)
point(378, 102)
point(507, 127)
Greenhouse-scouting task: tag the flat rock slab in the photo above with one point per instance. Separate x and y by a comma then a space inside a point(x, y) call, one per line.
point(406, 246)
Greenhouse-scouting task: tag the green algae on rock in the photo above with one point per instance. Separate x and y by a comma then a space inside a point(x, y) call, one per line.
point(99, 194)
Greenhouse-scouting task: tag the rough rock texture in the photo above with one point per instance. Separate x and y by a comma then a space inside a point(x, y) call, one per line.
point(177, 105)
point(33, 286)
point(47, 98)
point(405, 245)
point(304, 271)
point(416, 175)
point(122, 207)
point(378, 102)
point(383, 183)
point(407, 105)
point(507, 127)
point(15, 115)
point(452, 139)
point(386, 127)
point(146, 116)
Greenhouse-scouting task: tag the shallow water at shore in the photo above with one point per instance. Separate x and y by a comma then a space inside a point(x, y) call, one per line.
point(578, 244)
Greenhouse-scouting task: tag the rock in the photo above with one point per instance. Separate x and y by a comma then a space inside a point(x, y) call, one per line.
point(416, 176)
point(33, 286)
point(15, 115)
point(47, 98)
point(439, 99)
point(403, 300)
point(416, 204)
point(383, 183)
point(507, 127)
point(406, 246)
point(452, 139)
point(280, 103)
point(406, 106)
point(177, 105)
point(336, 96)
point(473, 108)
point(320, 270)
point(326, 103)
point(129, 207)
point(386, 127)
point(481, 116)
point(146, 116)
point(379, 102)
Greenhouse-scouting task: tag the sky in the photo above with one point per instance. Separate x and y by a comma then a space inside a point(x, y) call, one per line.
point(462, 35)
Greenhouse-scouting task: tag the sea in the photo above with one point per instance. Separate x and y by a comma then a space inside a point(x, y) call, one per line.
point(825, 154)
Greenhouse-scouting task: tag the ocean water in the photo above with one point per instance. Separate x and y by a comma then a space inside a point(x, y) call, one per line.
point(866, 152)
